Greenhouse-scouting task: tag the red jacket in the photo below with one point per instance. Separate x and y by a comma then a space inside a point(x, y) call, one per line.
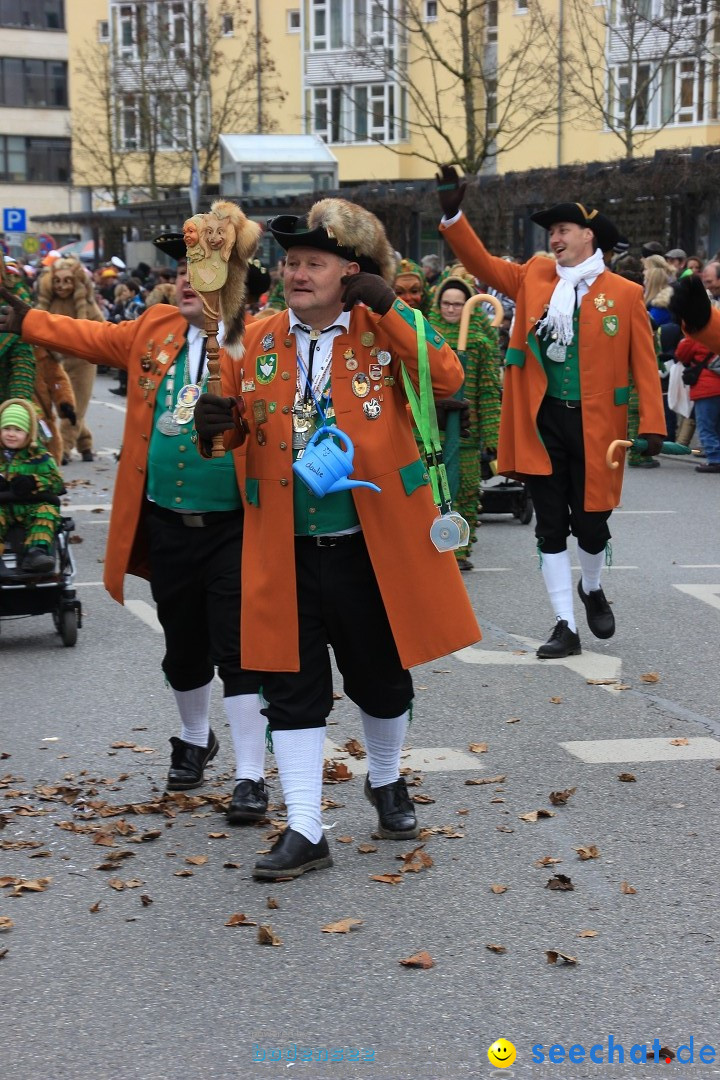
point(690, 351)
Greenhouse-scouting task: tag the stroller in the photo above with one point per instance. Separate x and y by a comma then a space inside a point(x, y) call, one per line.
point(24, 593)
point(501, 495)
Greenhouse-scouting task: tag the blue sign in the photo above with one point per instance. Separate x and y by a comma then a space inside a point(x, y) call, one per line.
point(14, 220)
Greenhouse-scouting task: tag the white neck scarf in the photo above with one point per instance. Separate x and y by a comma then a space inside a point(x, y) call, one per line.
point(558, 322)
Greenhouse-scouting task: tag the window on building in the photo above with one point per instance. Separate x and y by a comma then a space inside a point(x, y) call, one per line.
point(128, 128)
point(327, 24)
point(362, 113)
point(33, 84)
point(34, 161)
point(33, 14)
point(491, 102)
point(227, 26)
point(521, 7)
point(430, 10)
point(172, 28)
point(293, 21)
point(103, 31)
point(372, 24)
point(491, 21)
point(131, 34)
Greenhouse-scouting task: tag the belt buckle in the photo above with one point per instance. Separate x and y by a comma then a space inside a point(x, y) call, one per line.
point(194, 521)
point(325, 541)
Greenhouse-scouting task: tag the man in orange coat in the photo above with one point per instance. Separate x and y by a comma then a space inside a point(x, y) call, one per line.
point(354, 569)
point(580, 333)
point(176, 521)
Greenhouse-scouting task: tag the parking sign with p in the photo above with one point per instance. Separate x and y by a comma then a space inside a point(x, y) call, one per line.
point(14, 219)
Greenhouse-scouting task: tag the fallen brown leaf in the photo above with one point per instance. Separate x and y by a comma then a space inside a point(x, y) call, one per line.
point(355, 748)
point(499, 949)
point(146, 900)
point(387, 879)
point(267, 936)
point(553, 956)
point(6, 922)
point(600, 682)
point(424, 799)
point(272, 903)
point(588, 933)
point(556, 700)
point(344, 839)
point(366, 849)
point(218, 835)
point(498, 889)
point(196, 860)
point(485, 780)
point(547, 860)
point(343, 926)
point(627, 889)
point(559, 798)
point(94, 908)
point(419, 960)
point(560, 883)
point(183, 873)
point(34, 885)
point(513, 720)
point(478, 748)
point(650, 677)
point(504, 828)
point(535, 815)
point(627, 777)
point(414, 861)
point(3, 953)
point(240, 919)
point(680, 742)
point(336, 772)
point(588, 851)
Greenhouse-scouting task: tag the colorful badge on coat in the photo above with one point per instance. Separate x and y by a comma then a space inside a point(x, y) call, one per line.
point(266, 366)
point(384, 357)
point(351, 364)
point(611, 325)
point(360, 384)
point(372, 409)
point(375, 372)
point(247, 386)
point(268, 342)
point(368, 338)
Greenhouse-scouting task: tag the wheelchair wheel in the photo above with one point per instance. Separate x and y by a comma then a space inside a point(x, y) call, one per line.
point(67, 626)
point(524, 510)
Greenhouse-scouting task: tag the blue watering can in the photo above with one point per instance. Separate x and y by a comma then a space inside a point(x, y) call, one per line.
point(325, 466)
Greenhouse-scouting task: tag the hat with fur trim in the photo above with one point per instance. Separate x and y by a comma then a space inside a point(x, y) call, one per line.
point(340, 228)
point(605, 232)
point(172, 244)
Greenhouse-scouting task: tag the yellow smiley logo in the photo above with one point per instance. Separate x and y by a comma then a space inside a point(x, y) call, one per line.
point(501, 1054)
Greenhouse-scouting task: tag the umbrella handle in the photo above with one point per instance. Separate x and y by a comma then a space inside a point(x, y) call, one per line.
point(611, 451)
point(479, 298)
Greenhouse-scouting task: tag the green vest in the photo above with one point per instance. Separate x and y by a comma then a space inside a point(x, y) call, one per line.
point(563, 378)
point(318, 517)
point(178, 478)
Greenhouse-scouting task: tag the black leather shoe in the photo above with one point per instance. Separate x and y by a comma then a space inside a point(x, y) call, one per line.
point(396, 813)
point(87, 455)
point(37, 560)
point(562, 642)
point(249, 802)
point(293, 855)
point(187, 763)
point(600, 618)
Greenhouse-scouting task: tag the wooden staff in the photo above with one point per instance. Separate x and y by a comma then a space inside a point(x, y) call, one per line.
point(211, 314)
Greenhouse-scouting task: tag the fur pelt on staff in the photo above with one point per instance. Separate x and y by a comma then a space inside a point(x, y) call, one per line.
point(240, 241)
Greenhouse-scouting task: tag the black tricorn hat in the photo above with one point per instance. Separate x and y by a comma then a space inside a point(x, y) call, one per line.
point(258, 279)
point(606, 233)
point(172, 244)
point(292, 231)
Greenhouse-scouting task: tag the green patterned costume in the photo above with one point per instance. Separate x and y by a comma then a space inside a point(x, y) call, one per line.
point(17, 360)
point(481, 389)
point(39, 519)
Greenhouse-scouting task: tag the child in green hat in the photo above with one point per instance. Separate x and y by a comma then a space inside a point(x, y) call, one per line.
point(27, 474)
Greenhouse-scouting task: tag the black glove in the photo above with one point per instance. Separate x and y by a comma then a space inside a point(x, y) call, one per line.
point(12, 312)
point(214, 414)
point(444, 406)
point(370, 289)
point(66, 410)
point(450, 189)
point(655, 444)
point(22, 485)
point(690, 303)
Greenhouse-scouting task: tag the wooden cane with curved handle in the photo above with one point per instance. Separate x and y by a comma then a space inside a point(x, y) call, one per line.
point(468, 308)
point(611, 452)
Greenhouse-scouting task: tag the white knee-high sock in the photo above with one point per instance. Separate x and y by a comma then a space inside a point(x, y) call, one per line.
point(194, 709)
point(384, 741)
point(591, 566)
point(557, 574)
point(247, 727)
point(299, 756)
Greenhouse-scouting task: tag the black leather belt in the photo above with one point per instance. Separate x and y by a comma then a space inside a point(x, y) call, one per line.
point(331, 541)
point(192, 520)
point(566, 403)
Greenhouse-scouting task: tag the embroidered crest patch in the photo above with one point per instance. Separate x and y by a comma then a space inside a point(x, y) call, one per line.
point(610, 325)
point(266, 367)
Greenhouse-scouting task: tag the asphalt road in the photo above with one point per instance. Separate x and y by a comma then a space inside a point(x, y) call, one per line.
point(131, 972)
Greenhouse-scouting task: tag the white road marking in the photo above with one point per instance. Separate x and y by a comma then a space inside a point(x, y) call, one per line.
point(145, 612)
point(699, 566)
point(709, 594)
point(85, 508)
point(417, 758)
point(644, 511)
point(589, 664)
point(618, 751)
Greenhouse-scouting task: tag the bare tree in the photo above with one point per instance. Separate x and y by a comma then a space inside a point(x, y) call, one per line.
point(173, 80)
point(468, 100)
point(634, 66)
point(96, 158)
